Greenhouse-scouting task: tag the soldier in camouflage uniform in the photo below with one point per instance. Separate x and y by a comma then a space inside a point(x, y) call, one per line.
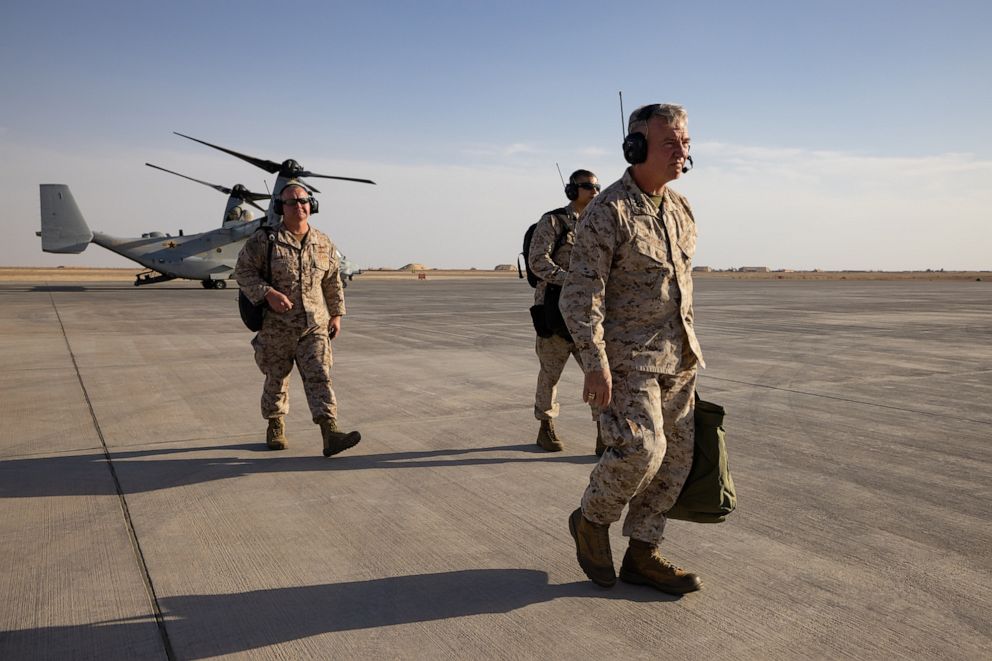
point(627, 302)
point(550, 247)
point(305, 301)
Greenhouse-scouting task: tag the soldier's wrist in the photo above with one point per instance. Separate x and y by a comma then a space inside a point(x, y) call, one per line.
point(595, 363)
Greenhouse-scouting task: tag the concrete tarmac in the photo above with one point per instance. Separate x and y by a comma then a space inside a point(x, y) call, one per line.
point(141, 516)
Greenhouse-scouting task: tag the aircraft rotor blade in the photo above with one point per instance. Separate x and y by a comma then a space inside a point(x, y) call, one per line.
point(327, 176)
point(239, 191)
point(288, 168)
point(221, 189)
point(269, 166)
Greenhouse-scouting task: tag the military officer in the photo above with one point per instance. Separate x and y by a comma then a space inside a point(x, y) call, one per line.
point(550, 247)
point(305, 302)
point(627, 301)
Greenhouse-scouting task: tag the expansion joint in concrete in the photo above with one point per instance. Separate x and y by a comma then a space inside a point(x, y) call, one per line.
point(128, 523)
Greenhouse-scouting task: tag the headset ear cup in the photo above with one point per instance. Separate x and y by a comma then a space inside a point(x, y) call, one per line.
point(571, 192)
point(635, 148)
point(277, 206)
point(314, 206)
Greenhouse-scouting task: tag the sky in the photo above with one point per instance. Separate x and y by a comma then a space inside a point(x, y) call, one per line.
point(832, 135)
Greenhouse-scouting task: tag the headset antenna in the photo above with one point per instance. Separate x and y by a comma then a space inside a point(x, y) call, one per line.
point(559, 174)
point(623, 124)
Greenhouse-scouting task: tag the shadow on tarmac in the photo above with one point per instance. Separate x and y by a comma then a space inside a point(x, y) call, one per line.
point(106, 288)
point(140, 471)
point(210, 625)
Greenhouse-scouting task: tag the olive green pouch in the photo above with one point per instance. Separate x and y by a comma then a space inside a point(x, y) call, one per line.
point(708, 495)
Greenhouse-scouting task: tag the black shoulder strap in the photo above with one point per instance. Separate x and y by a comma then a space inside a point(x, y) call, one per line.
point(268, 261)
point(561, 211)
point(270, 239)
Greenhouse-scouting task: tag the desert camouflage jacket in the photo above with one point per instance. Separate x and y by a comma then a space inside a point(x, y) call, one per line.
point(627, 299)
point(307, 274)
point(551, 265)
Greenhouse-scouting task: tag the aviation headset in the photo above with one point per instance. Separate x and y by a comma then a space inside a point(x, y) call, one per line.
point(278, 204)
point(572, 189)
point(635, 145)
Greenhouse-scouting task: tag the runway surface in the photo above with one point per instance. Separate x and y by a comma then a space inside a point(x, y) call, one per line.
point(142, 517)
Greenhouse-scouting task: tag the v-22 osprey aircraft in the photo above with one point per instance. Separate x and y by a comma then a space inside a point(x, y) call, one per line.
point(208, 257)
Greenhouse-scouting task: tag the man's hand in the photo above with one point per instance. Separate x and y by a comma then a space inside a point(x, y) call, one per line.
point(597, 390)
point(278, 301)
point(334, 327)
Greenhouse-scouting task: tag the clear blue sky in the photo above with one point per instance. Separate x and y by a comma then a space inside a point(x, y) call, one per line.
point(827, 134)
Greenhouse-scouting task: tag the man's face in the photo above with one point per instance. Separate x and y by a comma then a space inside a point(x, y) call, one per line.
point(295, 204)
point(668, 148)
point(588, 189)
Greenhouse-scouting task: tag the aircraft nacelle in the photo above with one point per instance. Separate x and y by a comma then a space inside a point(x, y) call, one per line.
point(236, 214)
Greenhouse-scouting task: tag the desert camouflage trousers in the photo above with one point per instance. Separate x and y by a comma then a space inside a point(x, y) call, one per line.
point(552, 353)
point(276, 349)
point(649, 432)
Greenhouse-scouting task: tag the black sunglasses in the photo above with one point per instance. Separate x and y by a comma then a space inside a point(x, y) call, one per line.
point(588, 186)
point(297, 201)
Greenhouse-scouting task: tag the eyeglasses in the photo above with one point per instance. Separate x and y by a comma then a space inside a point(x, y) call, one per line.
point(588, 186)
point(296, 201)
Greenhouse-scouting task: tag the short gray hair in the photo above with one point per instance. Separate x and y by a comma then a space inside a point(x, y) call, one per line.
point(291, 183)
point(673, 114)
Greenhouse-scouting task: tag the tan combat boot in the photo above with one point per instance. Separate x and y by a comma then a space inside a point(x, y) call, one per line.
point(548, 439)
point(336, 441)
point(643, 564)
point(275, 436)
point(592, 548)
point(600, 445)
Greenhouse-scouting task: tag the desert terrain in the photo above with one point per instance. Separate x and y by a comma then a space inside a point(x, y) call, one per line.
point(95, 274)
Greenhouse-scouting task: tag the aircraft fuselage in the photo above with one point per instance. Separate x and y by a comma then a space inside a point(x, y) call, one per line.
point(205, 256)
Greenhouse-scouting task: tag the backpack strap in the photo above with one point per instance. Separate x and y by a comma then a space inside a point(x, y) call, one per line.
point(271, 239)
point(560, 241)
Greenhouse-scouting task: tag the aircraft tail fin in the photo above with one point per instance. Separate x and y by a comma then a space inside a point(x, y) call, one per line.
point(63, 229)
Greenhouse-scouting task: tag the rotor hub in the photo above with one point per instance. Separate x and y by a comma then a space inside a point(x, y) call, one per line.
point(290, 168)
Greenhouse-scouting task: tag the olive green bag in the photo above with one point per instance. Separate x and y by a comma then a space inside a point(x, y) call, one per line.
point(708, 495)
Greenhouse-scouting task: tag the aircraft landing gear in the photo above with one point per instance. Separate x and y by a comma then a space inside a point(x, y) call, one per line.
point(214, 284)
point(150, 277)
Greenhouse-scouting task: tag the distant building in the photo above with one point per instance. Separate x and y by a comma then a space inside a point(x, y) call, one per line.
point(754, 269)
point(701, 269)
point(504, 267)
